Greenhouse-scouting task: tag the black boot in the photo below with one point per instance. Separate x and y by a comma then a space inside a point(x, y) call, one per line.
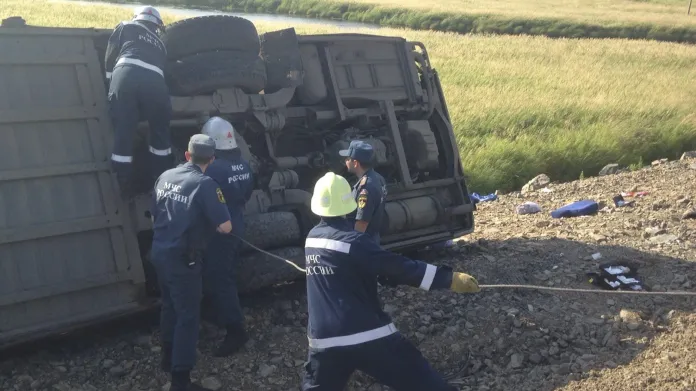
point(126, 189)
point(234, 340)
point(166, 357)
point(181, 381)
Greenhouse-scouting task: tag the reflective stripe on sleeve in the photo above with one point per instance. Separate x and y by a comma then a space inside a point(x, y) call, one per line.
point(328, 244)
point(121, 158)
point(428, 277)
point(143, 64)
point(160, 152)
point(353, 339)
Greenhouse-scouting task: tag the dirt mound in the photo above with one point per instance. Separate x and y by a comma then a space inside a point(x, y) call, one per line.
point(495, 340)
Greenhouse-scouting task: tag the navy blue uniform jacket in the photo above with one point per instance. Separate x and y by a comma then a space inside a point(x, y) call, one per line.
point(132, 42)
point(342, 266)
point(370, 193)
point(187, 208)
point(233, 175)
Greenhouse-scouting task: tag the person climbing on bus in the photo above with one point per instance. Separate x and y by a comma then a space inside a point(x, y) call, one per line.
point(134, 62)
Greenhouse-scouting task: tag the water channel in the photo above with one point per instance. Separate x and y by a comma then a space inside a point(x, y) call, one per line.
point(192, 12)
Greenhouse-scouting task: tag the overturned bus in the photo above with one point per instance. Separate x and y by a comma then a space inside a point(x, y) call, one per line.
point(73, 252)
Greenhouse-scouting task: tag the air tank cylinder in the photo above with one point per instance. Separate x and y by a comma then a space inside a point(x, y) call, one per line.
point(411, 214)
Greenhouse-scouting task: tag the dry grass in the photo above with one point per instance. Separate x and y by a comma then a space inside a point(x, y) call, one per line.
point(668, 12)
point(62, 14)
point(661, 20)
point(525, 105)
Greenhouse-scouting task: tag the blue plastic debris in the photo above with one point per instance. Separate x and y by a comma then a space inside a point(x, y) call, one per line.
point(575, 209)
point(476, 197)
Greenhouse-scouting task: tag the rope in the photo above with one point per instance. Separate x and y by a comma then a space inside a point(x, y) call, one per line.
point(271, 254)
point(506, 286)
point(498, 286)
point(548, 288)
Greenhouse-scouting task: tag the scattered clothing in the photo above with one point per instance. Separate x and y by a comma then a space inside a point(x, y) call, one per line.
point(528, 208)
point(575, 209)
point(439, 245)
point(476, 197)
point(617, 276)
point(619, 201)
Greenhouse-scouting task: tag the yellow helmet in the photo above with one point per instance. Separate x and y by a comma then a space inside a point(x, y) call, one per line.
point(332, 196)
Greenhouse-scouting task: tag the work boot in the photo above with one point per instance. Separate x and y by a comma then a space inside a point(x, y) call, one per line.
point(181, 381)
point(166, 357)
point(127, 190)
point(234, 340)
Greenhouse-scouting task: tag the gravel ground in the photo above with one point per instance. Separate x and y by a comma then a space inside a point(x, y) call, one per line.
point(495, 340)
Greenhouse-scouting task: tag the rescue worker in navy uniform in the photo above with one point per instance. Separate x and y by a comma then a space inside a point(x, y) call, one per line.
point(233, 174)
point(188, 207)
point(369, 192)
point(134, 61)
point(347, 328)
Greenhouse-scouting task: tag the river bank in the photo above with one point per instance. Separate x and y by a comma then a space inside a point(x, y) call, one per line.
point(457, 19)
point(187, 12)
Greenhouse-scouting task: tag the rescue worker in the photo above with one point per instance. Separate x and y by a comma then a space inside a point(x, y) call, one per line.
point(233, 174)
point(347, 328)
point(135, 57)
point(369, 192)
point(188, 207)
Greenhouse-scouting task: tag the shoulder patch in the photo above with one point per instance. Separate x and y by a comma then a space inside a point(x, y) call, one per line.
point(221, 197)
point(362, 199)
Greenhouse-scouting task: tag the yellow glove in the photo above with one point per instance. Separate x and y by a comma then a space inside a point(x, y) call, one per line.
point(464, 283)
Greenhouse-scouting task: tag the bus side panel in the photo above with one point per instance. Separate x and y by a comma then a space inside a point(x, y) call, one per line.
point(68, 253)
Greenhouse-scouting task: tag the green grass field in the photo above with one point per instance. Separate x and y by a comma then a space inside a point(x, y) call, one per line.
point(662, 20)
point(668, 12)
point(525, 105)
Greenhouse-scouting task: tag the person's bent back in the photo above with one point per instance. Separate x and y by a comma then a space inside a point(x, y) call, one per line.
point(342, 270)
point(347, 329)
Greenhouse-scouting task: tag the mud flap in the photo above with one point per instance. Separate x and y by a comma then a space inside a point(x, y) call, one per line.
point(281, 52)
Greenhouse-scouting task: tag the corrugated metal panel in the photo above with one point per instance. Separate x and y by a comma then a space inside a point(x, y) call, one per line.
point(66, 253)
point(375, 71)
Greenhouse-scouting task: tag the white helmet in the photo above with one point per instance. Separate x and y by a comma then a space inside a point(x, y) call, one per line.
point(222, 132)
point(148, 14)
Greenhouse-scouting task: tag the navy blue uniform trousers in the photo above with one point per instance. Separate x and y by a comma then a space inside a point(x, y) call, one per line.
point(137, 93)
point(181, 288)
point(392, 360)
point(220, 276)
